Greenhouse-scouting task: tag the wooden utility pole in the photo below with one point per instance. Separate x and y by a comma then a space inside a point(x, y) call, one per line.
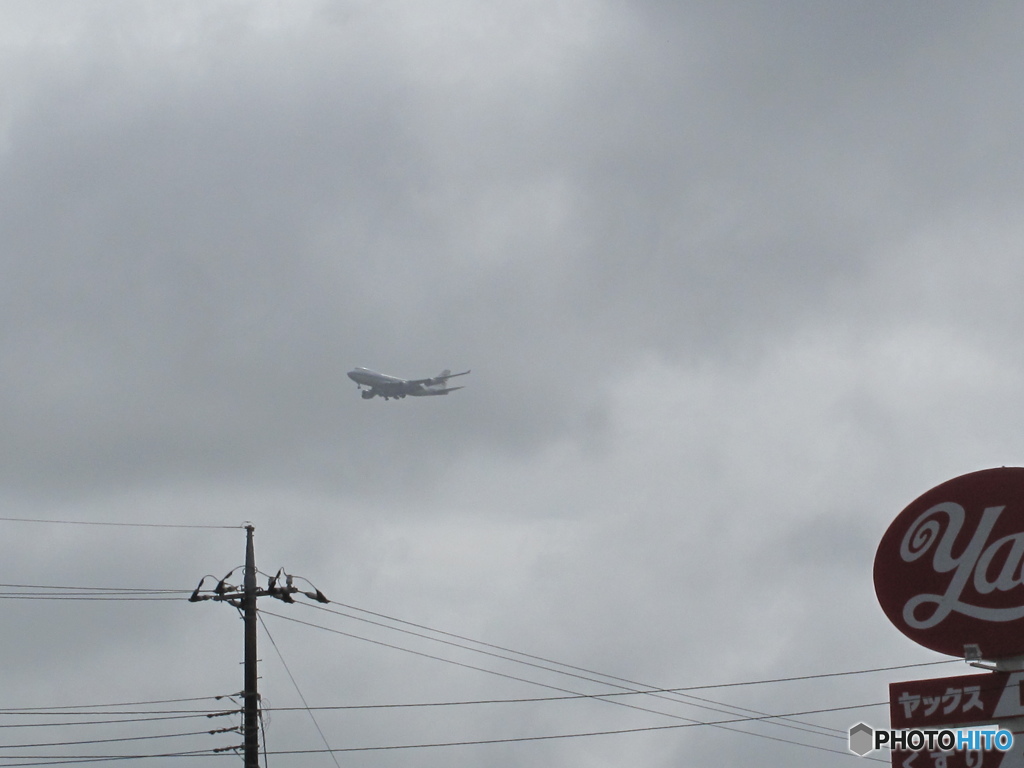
point(280, 586)
point(250, 694)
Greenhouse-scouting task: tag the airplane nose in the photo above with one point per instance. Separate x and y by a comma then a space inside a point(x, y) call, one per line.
point(351, 375)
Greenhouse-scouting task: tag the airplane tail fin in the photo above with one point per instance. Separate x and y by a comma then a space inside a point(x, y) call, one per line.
point(447, 374)
point(441, 380)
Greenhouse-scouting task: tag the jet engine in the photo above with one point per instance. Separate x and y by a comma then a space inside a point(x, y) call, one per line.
point(367, 394)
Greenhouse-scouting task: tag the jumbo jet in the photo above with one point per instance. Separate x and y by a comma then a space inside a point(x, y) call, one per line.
point(391, 386)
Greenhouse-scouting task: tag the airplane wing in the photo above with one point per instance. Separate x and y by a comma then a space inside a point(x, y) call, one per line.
point(445, 375)
point(439, 379)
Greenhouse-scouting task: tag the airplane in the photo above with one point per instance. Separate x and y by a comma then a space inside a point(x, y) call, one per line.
point(392, 387)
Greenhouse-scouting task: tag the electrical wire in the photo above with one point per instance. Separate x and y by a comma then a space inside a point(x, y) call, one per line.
point(103, 741)
point(85, 713)
point(297, 690)
point(612, 677)
point(117, 721)
point(524, 700)
point(122, 525)
point(618, 731)
point(651, 690)
point(95, 598)
point(52, 592)
point(121, 704)
point(536, 699)
point(674, 695)
point(724, 725)
point(41, 760)
point(60, 760)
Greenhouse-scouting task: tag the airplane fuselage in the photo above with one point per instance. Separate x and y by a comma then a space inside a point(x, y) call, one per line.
point(393, 387)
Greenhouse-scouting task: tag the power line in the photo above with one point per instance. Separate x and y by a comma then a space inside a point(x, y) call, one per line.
point(52, 592)
point(772, 719)
point(41, 760)
point(297, 690)
point(619, 731)
point(120, 704)
point(45, 712)
point(87, 597)
point(674, 695)
point(116, 721)
point(678, 694)
point(713, 706)
point(124, 525)
point(516, 739)
point(612, 677)
point(107, 741)
point(522, 700)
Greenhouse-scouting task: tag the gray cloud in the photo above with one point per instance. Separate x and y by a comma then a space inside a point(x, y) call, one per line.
point(736, 284)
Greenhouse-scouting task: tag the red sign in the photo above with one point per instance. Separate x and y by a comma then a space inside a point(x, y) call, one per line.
point(950, 570)
point(968, 700)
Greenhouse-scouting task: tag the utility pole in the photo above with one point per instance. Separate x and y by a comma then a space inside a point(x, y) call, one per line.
point(250, 694)
point(244, 599)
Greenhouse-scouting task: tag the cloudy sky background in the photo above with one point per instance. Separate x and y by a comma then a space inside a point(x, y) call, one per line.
point(736, 283)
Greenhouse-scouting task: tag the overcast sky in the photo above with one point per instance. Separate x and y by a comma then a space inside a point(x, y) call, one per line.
point(736, 282)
